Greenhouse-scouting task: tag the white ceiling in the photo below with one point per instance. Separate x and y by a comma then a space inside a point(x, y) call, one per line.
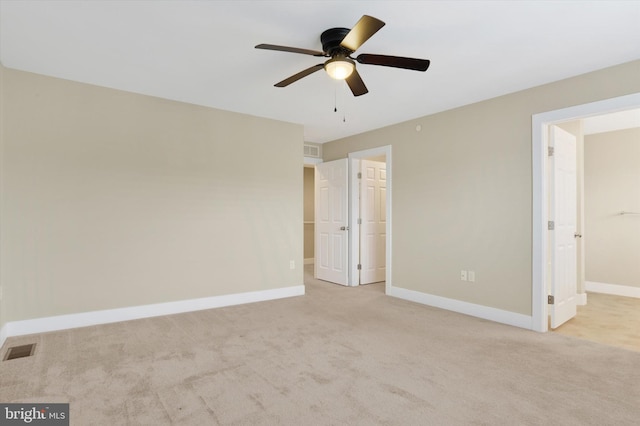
point(202, 52)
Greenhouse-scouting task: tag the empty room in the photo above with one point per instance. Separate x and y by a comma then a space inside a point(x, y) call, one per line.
point(319, 212)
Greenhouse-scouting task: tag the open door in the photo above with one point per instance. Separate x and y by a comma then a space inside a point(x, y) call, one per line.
point(373, 186)
point(562, 229)
point(332, 222)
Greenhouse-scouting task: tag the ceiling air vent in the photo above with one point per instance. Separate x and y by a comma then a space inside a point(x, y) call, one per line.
point(311, 150)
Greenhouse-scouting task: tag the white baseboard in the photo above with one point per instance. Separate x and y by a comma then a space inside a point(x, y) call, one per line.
point(618, 290)
point(63, 322)
point(3, 334)
point(479, 311)
point(309, 261)
point(582, 299)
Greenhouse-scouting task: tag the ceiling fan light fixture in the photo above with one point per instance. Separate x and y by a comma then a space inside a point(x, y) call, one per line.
point(339, 67)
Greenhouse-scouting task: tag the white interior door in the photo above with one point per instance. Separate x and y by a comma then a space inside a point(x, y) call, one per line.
point(373, 186)
point(563, 212)
point(331, 222)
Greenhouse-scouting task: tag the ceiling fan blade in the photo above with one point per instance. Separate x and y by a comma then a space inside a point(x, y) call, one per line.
point(290, 49)
point(298, 76)
point(394, 61)
point(356, 84)
point(361, 32)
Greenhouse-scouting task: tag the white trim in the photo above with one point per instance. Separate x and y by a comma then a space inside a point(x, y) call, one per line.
point(63, 322)
point(4, 333)
point(354, 157)
point(309, 261)
point(354, 228)
point(312, 161)
point(582, 299)
point(618, 290)
point(540, 123)
point(478, 311)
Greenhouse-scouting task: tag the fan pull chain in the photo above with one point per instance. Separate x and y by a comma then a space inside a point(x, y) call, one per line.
point(344, 116)
point(335, 103)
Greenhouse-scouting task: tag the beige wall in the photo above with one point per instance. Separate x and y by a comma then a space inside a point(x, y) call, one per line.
point(612, 185)
point(309, 212)
point(462, 189)
point(113, 199)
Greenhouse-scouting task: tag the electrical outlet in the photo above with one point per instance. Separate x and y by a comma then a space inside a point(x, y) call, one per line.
point(463, 275)
point(292, 264)
point(472, 276)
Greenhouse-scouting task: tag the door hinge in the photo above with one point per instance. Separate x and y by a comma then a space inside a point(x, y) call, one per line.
point(551, 225)
point(359, 221)
point(359, 175)
point(359, 266)
point(550, 299)
point(550, 151)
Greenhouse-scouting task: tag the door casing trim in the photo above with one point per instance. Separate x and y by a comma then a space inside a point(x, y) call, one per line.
point(539, 143)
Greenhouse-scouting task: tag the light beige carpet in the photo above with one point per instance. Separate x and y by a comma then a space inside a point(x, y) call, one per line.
point(341, 356)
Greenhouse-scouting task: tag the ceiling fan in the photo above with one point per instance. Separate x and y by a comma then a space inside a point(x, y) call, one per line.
point(338, 44)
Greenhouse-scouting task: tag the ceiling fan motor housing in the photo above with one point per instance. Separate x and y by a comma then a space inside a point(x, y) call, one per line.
point(331, 40)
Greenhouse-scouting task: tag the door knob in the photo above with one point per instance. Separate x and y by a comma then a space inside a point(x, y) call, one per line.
point(576, 235)
point(344, 228)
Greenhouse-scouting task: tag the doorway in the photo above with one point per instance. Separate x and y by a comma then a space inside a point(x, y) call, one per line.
point(372, 179)
point(335, 219)
point(541, 269)
point(308, 213)
point(609, 176)
point(384, 246)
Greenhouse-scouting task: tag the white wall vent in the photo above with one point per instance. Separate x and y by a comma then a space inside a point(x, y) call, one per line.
point(312, 151)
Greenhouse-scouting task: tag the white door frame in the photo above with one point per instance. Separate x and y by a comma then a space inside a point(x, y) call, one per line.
point(540, 136)
point(354, 206)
